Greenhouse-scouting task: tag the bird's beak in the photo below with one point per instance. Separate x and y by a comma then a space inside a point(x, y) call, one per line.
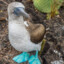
point(20, 11)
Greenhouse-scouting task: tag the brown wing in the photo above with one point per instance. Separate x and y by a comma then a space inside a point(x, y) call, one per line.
point(36, 31)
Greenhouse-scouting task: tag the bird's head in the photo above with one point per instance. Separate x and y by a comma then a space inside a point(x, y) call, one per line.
point(17, 9)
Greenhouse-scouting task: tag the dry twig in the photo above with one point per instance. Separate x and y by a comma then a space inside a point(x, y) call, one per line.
point(4, 2)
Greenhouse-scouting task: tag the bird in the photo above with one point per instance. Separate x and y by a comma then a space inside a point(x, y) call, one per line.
point(24, 35)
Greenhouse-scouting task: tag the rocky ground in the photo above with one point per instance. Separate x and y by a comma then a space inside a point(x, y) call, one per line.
point(54, 48)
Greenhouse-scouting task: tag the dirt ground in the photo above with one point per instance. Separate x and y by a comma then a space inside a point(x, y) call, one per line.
point(54, 34)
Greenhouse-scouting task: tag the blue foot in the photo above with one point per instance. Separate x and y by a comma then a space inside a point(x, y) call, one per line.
point(34, 59)
point(21, 58)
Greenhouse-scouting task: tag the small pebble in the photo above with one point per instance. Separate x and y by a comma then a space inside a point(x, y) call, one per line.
point(63, 28)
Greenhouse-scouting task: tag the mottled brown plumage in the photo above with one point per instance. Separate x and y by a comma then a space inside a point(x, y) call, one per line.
point(36, 31)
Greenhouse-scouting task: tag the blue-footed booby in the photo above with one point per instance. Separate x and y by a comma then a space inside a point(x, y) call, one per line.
point(24, 35)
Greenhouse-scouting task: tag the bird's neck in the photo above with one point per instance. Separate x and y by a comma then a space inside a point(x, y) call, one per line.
point(14, 19)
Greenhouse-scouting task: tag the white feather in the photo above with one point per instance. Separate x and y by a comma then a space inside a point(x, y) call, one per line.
point(26, 24)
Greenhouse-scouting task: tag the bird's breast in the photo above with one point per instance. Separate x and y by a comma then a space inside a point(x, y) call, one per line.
point(17, 30)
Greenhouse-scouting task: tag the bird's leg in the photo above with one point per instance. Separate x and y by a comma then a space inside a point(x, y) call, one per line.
point(34, 59)
point(36, 54)
point(23, 57)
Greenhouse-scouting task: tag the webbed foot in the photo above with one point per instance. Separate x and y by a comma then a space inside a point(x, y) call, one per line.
point(21, 58)
point(34, 59)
